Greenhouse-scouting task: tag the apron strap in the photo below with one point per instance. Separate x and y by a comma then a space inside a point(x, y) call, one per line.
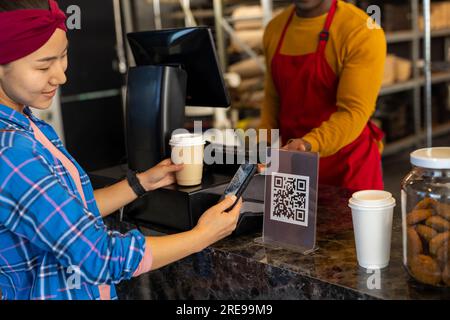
point(376, 132)
point(280, 42)
point(325, 33)
point(323, 36)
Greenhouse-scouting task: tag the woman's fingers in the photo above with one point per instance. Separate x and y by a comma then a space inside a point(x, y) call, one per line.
point(236, 210)
point(226, 203)
point(165, 162)
point(166, 169)
point(167, 181)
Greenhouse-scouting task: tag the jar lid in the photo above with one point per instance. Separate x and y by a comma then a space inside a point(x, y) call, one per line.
point(432, 158)
point(371, 199)
point(186, 140)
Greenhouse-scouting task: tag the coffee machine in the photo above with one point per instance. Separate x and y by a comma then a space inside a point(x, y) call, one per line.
point(175, 68)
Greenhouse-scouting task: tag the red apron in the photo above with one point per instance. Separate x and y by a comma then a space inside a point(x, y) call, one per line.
point(307, 87)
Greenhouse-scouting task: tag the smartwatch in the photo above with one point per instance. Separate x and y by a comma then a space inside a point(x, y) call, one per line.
point(134, 183)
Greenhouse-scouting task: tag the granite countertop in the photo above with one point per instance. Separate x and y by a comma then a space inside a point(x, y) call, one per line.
point(241, 268)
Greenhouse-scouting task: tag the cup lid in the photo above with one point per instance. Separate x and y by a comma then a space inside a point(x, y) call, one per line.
point(186, 139)
point(432, 158)
point(372, 199)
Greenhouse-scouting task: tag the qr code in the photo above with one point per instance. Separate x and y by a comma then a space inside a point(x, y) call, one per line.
point(290, 198)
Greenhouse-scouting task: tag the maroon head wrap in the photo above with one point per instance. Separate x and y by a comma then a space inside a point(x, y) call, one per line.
point(22, 32)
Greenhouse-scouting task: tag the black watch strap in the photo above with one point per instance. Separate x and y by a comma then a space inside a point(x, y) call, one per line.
point(134, 183)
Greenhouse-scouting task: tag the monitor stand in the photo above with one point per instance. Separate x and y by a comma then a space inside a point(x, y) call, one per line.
point(156, 98)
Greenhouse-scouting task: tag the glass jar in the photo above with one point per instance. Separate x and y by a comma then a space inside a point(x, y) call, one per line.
point(426, 217)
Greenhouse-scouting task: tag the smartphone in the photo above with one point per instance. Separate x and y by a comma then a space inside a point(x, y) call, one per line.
point(239, 182)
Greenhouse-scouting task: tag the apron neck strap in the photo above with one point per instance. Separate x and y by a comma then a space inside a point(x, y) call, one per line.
point(324, 35)
point(283, 34)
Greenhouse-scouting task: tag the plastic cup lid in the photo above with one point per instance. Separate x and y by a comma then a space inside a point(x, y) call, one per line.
point(186, 139)
point(432, 158)
point(372, 199)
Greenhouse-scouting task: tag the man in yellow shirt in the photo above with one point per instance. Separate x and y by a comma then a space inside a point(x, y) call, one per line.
point(325, 66)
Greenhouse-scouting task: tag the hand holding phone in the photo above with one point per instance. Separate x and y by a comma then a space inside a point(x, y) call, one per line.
point(240, 182)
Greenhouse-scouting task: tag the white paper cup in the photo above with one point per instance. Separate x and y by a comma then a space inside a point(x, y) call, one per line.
point(188, 149)
point(372, 212)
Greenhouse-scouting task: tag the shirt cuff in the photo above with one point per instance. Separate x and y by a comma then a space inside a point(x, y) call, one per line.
point(146, 262)
point(312, 141)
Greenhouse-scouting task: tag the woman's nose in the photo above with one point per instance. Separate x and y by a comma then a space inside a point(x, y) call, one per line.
point(59, 76)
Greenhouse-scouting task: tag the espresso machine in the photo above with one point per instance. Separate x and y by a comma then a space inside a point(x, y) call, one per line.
point(175, 68)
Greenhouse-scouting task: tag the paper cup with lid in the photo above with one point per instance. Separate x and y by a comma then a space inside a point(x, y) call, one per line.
point(372, 213)
point(188, 149)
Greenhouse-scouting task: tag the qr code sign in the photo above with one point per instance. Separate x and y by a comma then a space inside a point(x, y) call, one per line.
point(290, 198)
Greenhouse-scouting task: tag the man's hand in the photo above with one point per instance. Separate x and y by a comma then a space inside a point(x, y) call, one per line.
point(261, 167)
point(161, 175)
point(297, 145)
point(292, 145)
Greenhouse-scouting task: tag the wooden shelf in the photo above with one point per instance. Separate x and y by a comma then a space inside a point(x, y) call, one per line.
point(409, 35)
point(399, 87)
point(410, 141)
point(437, 77)
point(400, 36)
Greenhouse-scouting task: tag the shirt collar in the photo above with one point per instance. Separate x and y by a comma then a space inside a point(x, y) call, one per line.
point(12, 116)
point(29, 113)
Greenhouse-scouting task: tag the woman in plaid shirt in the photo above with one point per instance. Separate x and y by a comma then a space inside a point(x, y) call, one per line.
point(51, 225)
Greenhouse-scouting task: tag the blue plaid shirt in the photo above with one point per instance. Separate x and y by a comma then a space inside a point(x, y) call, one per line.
point(51, 246)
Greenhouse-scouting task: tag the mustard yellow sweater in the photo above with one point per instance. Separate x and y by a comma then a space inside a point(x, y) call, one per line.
point(357, 55)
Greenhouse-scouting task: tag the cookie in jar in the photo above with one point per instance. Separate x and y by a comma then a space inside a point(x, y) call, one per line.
point(426, 217)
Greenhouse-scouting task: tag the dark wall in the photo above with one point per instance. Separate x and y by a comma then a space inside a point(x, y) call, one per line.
point(93, 126)
point(94, 132)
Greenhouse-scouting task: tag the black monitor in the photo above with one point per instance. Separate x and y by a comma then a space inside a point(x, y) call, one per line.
point(193, 50)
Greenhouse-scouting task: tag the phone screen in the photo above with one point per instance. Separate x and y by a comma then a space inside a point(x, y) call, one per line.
point(240, 179)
